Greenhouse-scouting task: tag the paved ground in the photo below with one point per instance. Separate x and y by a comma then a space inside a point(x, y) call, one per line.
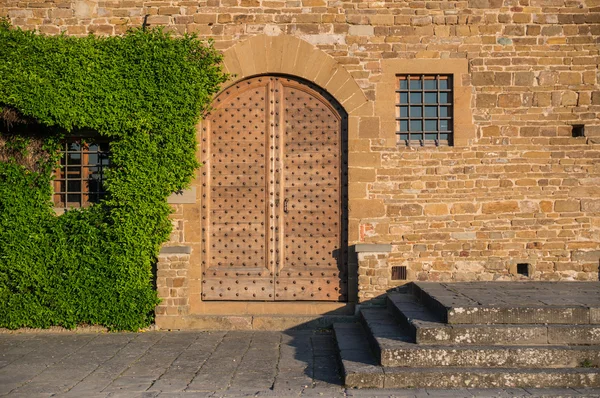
point(193, 364)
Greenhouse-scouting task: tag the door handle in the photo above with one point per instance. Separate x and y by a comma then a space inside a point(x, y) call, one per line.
point(285, 203)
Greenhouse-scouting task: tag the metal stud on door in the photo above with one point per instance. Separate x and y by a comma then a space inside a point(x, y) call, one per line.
point(272, 194)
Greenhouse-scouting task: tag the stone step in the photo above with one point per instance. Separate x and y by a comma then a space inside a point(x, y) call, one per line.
point(394, 346)
point(360, 370)
point(427, 328)
point(529, 303)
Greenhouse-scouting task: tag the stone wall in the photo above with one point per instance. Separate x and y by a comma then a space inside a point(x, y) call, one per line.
point(172, 281)
point(518, 189)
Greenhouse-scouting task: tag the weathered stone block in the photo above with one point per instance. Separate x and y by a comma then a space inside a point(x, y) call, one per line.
point(411, 210)
point(590, 205)
point(500, 207)
point(566, 205)
point(464, 208)
point(361, 30)
point(586, 255)
point(436, 209)
point(367, 208)
point(510, 100)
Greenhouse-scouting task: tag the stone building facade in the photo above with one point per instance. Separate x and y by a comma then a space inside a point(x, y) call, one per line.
point(516, 196)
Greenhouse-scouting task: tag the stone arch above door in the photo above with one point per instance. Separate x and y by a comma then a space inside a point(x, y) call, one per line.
point(285, 54)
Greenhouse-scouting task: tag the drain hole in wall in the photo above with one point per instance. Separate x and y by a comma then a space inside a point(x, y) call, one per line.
point(578, 130)
point(399, 273)
point(523, 269)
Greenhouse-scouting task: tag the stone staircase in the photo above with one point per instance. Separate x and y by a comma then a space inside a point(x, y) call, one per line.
point(434, 335)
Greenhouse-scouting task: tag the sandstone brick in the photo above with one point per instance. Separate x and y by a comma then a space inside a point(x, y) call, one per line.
point(500, 207)
point(362, 175)
point(367, 208)
point(524, 78)
point(590, 205)
point(361, 30)
point(482, 78)
point(436, 209)
point(381, 19)
point(169, 10)
point(566, 205)
point(569, 78)
point(411, 210)
point(421, 21)
point(487, 100)
point(368, 127)
point(569, 98)
point(205, 18)
point(587, 256)
point(485, 3)
point(463, 235)
point(509, 100)
point(464, 208)
point(159, 19)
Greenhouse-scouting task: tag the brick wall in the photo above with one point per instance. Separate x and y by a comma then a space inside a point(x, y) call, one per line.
point(522, 190)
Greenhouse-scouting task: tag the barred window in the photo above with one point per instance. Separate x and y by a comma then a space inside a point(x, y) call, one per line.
point(424, 110)
point(79, 181)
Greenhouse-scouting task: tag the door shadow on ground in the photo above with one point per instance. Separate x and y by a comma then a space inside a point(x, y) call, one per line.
point(313, 345)
point(315, 351)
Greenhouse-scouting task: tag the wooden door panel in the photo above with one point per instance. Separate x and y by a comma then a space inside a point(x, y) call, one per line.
point(237, 228)
point(274, 194)
point(312, 189)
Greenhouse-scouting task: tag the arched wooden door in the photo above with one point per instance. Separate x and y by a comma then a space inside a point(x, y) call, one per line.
point(274, 193)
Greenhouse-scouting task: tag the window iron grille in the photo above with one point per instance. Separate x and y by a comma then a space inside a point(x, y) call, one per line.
point(399, 273)
point(424, 110)
point(79, 181)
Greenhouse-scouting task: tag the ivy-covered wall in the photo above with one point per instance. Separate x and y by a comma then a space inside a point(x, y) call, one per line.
point(145, 91)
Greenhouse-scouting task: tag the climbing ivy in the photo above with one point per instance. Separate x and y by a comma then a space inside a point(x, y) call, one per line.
point(144, 91)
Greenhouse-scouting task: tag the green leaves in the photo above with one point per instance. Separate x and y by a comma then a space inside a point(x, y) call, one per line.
point(145, 91)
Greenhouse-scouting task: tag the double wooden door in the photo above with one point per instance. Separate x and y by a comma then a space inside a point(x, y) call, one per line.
point(273, 194)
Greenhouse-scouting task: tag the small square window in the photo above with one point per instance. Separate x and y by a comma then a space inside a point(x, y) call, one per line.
point(424, 104)
point(79, 180)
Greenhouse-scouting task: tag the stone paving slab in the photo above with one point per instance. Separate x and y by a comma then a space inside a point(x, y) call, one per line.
point(512, 302)
point(193, 364)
